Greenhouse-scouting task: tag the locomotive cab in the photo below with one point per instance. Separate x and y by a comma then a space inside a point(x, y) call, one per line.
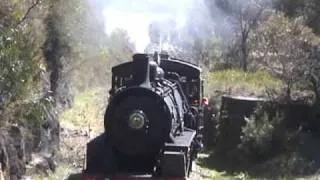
point(153, 120)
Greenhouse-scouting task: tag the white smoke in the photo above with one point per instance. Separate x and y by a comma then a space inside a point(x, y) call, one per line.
point(136, 16)
point(192, 19)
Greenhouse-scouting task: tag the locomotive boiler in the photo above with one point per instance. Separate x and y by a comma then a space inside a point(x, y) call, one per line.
point(153, 121)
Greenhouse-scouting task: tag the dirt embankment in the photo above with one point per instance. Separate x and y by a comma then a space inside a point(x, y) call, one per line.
point(70, 157)
point(23, 149)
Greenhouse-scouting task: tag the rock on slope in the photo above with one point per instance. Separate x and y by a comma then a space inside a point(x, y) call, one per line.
point(21, 148)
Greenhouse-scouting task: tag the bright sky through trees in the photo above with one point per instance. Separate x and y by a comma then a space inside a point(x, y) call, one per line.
point(136, 15)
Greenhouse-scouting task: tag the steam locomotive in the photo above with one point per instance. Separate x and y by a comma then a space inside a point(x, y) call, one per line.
point(153, 122)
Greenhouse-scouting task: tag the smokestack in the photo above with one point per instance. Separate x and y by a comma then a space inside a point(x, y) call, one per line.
point(141, 70)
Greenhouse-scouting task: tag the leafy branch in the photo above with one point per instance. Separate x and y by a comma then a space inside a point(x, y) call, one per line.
point(36, 3)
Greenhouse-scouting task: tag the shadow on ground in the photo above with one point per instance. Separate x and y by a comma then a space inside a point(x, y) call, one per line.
point(303, 162)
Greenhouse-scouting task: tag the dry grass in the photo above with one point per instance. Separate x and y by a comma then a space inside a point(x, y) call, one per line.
point(62, 172)
point(88, 109)
point(237, 82)
point(205, 169)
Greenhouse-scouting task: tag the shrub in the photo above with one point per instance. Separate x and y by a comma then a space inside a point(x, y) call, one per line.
point(235, 82)
point(88, 109)
point(19, 69)
point(265, 135)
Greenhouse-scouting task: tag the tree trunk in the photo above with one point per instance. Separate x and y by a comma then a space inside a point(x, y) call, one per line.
point(1, 173)
point(288, 92)
point(315, 124)
point(244, 51)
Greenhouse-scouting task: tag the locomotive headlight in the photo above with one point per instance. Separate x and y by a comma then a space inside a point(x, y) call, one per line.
point(137, 120)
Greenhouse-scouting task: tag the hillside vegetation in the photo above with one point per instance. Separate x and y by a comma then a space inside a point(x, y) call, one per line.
point(238, 82)
point(50, 52)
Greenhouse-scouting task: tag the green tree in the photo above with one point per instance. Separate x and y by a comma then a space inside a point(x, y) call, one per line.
point(20, 70)
point(242, 17)
point(309, 9)
point(283, 46)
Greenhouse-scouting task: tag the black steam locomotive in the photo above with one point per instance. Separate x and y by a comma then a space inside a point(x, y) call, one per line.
point(153, 122)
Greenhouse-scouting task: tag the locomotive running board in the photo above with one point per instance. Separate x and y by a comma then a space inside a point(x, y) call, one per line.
point(175, 160)
point(144, 177)
point(83, 176)
point(182, 142)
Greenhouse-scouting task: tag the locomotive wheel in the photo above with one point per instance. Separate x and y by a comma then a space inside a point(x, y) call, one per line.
point(139, 125)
